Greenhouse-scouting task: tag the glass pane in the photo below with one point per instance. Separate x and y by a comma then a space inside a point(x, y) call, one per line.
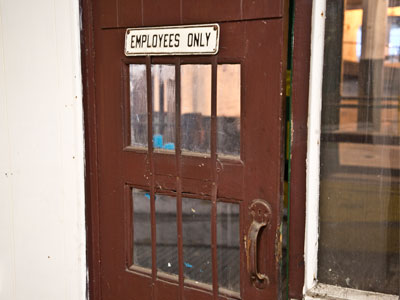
point(196, 232)
point(167, 251)
point(360, 148)
point(141, 228)
point(228, 246)
point(163, 82)
point(196, 108)
point(138, 103)
point(228, 110)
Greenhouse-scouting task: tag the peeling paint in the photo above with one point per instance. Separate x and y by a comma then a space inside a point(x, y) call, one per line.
point(313, 148)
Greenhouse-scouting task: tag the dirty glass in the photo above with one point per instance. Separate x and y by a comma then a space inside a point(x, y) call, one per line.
point(228, 250)
point(141, 228)
point(228, 110)
point(196, 108)
point(360, 147)
point(196, 233)
point(163, 83)
point(166, 234)
point(138, 105)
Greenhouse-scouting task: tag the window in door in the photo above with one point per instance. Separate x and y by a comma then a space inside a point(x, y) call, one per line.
point(195, 138)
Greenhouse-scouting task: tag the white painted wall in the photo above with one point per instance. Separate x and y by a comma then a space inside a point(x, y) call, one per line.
point(42, 230)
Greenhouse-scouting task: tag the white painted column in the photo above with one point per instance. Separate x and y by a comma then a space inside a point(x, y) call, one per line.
point(42, 225)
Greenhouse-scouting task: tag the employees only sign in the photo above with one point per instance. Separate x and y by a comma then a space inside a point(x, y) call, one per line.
point(172, 40)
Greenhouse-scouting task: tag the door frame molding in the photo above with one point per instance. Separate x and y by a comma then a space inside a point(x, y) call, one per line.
point(93, 290)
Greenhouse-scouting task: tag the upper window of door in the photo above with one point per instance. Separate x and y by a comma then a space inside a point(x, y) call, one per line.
point(195, 109)
point(359, 183)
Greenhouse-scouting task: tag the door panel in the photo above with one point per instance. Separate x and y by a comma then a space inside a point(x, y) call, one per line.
point(133, 13)
point(196, 237)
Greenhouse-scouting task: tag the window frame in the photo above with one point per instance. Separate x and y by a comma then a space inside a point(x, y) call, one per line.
point(312, 289)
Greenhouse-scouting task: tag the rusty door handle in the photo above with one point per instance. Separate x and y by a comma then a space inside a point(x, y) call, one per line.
point(260, 211)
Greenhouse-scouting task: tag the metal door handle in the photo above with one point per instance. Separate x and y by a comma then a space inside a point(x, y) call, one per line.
point(260, 211)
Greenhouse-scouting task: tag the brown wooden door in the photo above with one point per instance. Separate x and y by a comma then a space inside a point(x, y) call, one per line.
point(189, 169)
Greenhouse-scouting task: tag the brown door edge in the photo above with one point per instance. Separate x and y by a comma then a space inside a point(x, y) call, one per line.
point(300, 87)
point(91, 209)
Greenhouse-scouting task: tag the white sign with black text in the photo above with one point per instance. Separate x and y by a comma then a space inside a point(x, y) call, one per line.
point(172, 40)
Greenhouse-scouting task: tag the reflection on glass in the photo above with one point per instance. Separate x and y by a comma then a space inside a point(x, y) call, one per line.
point(138, 105)
point(195, 108)
point(228, 110)
point(228, 246)
point(163, 82)
point(360, 149)
point(166, 236)
point(196, 233)
point(141, 228)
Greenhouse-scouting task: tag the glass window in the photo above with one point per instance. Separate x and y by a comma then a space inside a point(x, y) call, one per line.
point(196, 108)
point(228, 110)
point(163, 83)
point(196, 234)
point(228, 249)
point(360, 147)
point(138, 105)
point(166, 234)
point(141, 228)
